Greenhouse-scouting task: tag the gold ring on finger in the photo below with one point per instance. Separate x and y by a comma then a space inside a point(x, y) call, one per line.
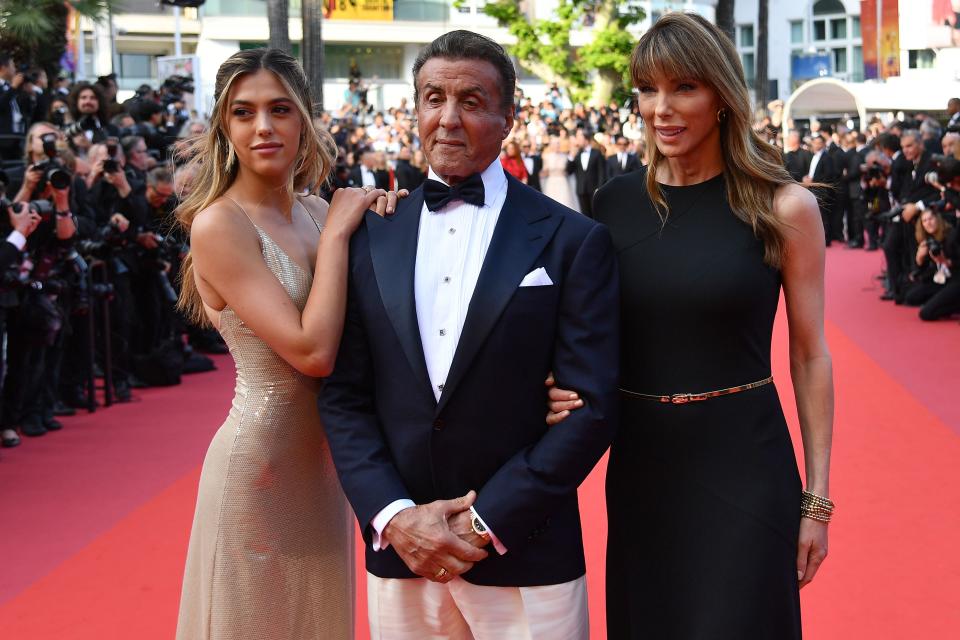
point(440, 574)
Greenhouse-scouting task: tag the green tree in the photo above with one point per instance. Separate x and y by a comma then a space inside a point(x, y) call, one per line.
point(34, 31)
point(597, 71)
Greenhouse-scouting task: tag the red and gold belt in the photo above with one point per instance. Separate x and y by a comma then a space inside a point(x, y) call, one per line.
point(684, 398)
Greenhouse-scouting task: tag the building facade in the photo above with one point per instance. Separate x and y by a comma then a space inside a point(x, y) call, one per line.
point(806, 39)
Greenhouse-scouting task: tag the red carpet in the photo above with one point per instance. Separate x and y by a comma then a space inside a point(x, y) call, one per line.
point(96, 518)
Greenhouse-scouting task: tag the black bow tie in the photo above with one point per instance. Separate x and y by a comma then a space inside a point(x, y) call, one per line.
point(437, 195)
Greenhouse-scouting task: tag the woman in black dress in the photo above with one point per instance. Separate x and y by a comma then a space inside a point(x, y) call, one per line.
point(706, 538)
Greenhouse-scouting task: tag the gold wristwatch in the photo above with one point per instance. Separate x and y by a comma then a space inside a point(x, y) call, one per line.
point(477, 525)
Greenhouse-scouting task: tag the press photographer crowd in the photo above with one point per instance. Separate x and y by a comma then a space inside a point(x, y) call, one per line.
point(89, 254)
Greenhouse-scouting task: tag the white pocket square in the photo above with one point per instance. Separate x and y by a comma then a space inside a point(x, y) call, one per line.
point(536, 278)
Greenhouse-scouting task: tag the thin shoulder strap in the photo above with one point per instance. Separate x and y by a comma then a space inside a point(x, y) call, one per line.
point(240, 206)
point(310, 215)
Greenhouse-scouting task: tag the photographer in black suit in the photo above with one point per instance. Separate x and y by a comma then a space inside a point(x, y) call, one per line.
point(12, 121)
point(589, 167)
point(622, 162)
point(915, 194)
point(855, 156)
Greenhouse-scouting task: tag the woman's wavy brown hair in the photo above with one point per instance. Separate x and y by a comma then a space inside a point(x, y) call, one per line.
point(212, 157)
point(921, 234)
point(684, 45)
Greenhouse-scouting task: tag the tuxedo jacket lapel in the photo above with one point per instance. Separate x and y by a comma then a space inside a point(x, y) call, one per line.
point(523, 230)
point(393, 251)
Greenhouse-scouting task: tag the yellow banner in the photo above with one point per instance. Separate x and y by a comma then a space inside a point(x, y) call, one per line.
point(360, 10)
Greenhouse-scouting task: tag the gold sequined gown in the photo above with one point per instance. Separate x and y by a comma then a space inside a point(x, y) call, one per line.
point(271, 549)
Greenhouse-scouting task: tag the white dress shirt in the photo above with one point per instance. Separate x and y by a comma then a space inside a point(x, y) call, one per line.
point(814, 162)
point(367, 177)
point(585, 158)
point(451, 246)
point(17, 239)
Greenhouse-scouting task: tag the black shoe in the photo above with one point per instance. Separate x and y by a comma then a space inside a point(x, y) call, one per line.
point(11, 439)
point(888, 295)
point(33, 430)
point(52, 425)
point(872, 247)
point(137, 383)
point(60, 409)
point(854, 245)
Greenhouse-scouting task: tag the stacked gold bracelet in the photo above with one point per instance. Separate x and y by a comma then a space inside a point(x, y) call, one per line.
point(816, 507)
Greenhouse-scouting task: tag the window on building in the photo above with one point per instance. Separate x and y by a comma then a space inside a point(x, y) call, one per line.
point(749, 68)
point(855, 26)
point(823, 7)
point(838, 29)
point(796, 32)
point(819, 30)
point(746, 35)
point(856, 74)
point(840, 60)
point(922, 58)
point(427, 10)
point(136, 65)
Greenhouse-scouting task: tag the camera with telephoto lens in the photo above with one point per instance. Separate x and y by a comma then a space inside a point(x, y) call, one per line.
point(934, 248)
point(84, 124)
point(58, 117)
point(51, 170)
point(873, 171)
point(29, 75)
point(43, 207)
point(110, 165)
point(892, 215)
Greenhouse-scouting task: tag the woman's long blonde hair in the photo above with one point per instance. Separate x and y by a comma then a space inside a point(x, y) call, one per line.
point(683, 45)
point(212, 157)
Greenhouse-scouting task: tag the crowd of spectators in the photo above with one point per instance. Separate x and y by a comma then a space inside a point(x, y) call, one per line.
point(90, 255)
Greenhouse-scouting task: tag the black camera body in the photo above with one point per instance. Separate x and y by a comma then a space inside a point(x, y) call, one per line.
point(51, 170)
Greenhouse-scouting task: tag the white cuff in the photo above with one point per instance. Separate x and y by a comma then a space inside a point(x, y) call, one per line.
point(921, 206)
point(382, 519)
point(494, 539)
point(17, 239)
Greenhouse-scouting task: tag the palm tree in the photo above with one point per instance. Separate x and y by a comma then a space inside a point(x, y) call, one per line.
point(725, 18)
point(278, 20)
point(311, 48)
point(762, 87)
point(35, 30)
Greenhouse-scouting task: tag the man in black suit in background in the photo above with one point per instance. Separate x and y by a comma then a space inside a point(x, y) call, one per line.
point(795, 158)
point(533, 161)
point(13, 122)
point(588, 166)
point(408, 176)
point(622, 162)
point(366, 174)
point(856, 156)
point(821, 170)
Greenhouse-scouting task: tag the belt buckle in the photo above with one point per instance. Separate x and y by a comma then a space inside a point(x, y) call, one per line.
point(684, 398)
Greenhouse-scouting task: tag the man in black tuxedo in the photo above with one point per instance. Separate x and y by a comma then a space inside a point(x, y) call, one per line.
point(622, 162)
point(795, 158)
point(13, 122)
point(915, 194)
point(459, 306)
point(821, 170)
point(366, 174)
point(533, 161)
point(589, 167)
point(408, 176)
point(856, 157)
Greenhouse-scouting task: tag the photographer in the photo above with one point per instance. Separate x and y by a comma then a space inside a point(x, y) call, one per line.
point(117, 200)
point(21, 223)
point(35, 327)
point(874, 177)
point(934, 288)
point(91, 125)
point(899, 245)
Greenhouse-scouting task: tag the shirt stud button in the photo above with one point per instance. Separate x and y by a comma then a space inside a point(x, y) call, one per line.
point(446, 278)
point(443, 332)
point(452, 231)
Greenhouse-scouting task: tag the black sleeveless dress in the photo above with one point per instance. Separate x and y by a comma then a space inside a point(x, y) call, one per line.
point(703, 498)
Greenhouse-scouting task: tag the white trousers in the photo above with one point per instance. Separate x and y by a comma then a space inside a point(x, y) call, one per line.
point(417, 609)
